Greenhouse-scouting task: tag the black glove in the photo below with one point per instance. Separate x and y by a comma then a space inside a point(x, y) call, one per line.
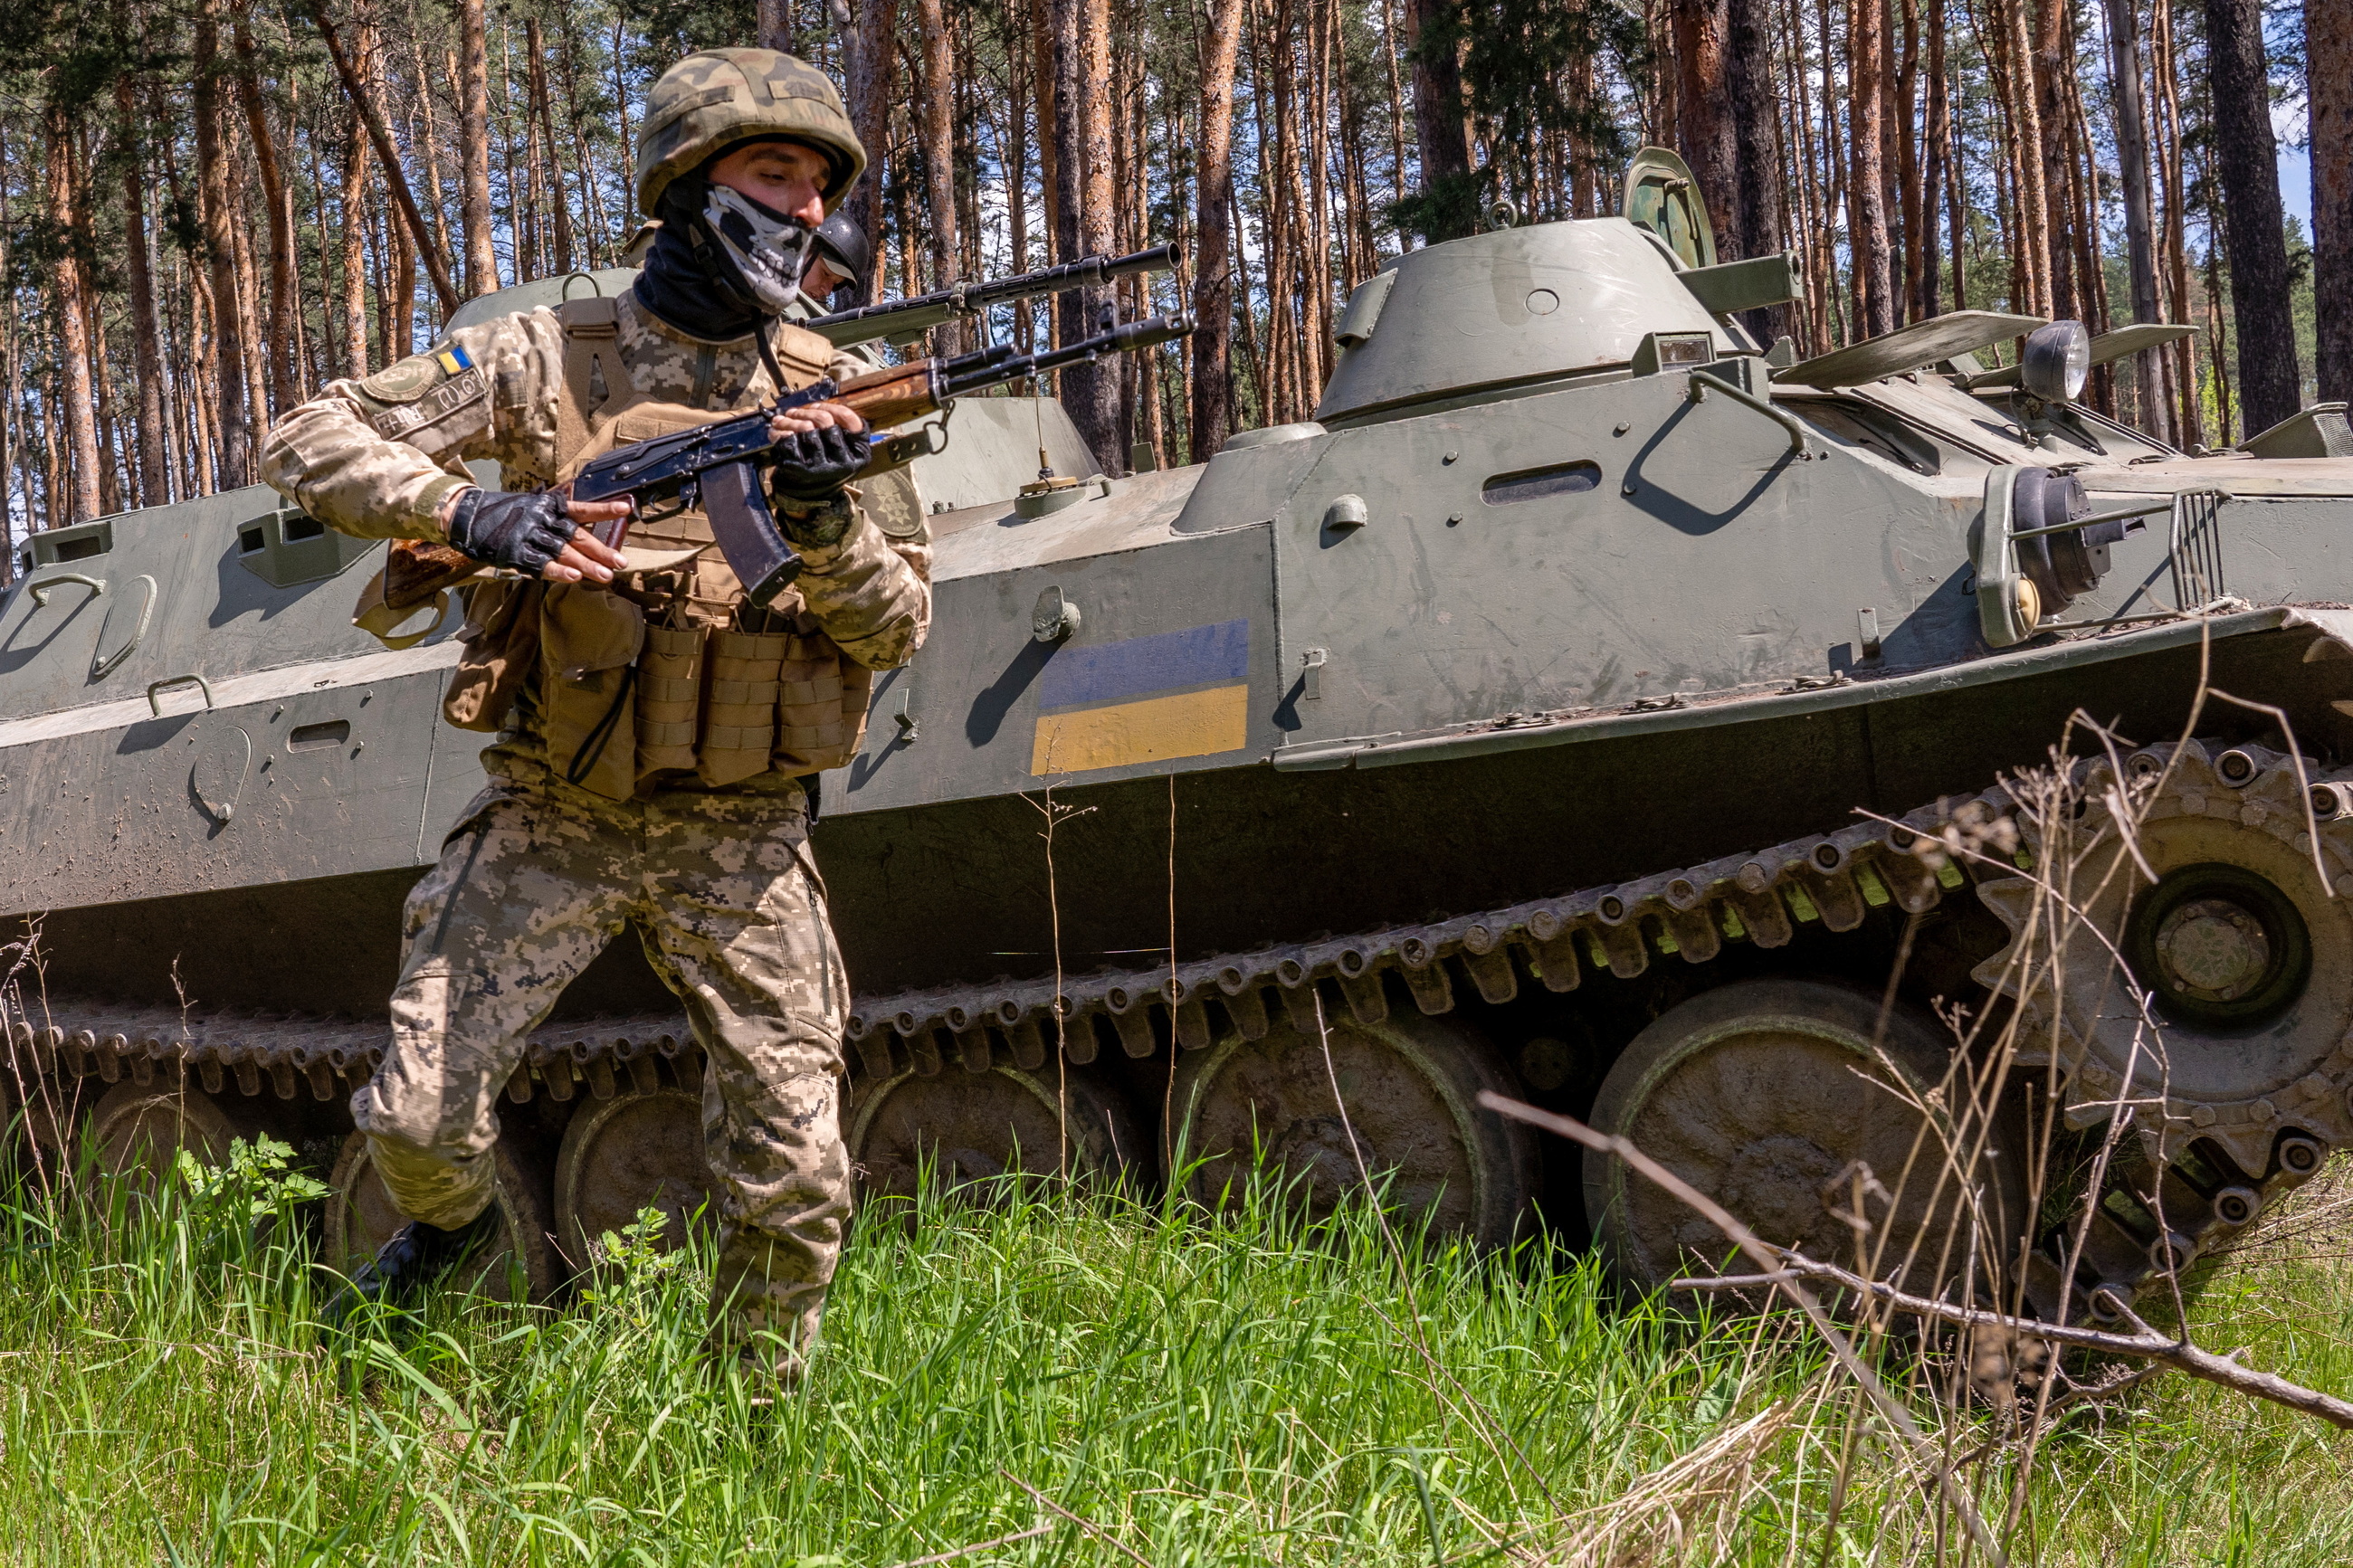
point(813, 466)
point(525, 530)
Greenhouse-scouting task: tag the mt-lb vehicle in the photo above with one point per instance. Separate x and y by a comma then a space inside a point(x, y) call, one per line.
point(1558, 712)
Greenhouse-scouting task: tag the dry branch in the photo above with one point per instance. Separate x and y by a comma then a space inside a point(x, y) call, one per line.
point(1082, 1520)
point(2144, 1343)
point(955, 1552)
point(1891, 1410)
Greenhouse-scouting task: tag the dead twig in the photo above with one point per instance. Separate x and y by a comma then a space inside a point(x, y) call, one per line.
point(2144, 1343)
point(1089, 1525)
point(954, 1553)
point(1923, 1453)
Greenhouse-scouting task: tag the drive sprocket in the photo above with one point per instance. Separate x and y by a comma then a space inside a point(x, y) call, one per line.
point(2212, 971)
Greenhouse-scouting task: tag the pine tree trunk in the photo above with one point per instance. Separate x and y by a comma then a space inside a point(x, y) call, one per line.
point(1393, 44)
point(936, 135)
point(109, 467)
point(352, 201)
point(1875, 304)
point(1213, 286)
point(2182, 357)
point(2048, 69)
point(1909, 198)
point(1436, 106)
point(77, 402)
point(1704, 109)
point(146, 336)
point(1045, 118)
point(1758, 225)
point(871, 61)
point(474, 148)
point(772, 26)
point(547, 165)
point(1082, 172)
point(523, 259)
point(2328, 53)
point(247, 298)
point(2254, 226)
point(1937, 150)
point(233, 448)
point(2132, 158)
point(1021, 68)
point(277, 343)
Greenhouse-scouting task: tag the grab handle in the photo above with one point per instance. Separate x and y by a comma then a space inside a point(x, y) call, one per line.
point(1702, 384)
point(103, 664)
point(42, 589)
point(155, 686)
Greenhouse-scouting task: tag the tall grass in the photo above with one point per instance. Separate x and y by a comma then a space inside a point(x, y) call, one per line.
point(1251, 1388)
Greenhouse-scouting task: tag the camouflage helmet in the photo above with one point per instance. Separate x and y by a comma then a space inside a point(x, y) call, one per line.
point(709, 101)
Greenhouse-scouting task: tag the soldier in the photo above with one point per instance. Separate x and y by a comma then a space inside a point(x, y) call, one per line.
point(657, 739)
point(842, 256)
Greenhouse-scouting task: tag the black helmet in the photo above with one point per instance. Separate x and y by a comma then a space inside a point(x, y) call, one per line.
point(842, 246)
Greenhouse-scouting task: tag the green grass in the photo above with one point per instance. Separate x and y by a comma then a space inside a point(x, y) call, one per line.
point(1240, 1391)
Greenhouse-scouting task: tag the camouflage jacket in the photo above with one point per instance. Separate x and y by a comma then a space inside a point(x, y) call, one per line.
point(377, 457)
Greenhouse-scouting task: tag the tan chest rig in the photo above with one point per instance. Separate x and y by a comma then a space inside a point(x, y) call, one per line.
point(670, 669)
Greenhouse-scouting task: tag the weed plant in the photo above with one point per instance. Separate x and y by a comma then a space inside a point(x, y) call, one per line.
point(1253, 1387)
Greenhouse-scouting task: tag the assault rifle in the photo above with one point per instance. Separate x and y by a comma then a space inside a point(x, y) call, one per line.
point(904, 321)
point(717, 466)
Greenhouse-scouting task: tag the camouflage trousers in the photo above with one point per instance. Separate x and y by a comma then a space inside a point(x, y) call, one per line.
point(531, 886)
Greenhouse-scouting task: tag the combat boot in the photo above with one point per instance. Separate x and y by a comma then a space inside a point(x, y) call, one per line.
point(415, 1255)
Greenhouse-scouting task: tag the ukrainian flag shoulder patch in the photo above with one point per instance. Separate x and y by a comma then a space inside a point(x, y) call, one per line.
point(453, 358)
point(1144, 700)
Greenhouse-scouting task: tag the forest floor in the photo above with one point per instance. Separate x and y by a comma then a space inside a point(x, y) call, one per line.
point(1098, 1380)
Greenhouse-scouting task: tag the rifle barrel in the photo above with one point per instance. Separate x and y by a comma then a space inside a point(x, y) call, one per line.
point(1131, 335)
point(865, 322)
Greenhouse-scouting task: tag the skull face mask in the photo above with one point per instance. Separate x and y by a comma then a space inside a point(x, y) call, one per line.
point(765, 251)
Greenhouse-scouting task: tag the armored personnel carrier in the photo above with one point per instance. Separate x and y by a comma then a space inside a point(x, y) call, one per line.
point(1561, 711)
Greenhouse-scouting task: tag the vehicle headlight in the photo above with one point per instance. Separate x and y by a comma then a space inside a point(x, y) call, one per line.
point(2058, 359)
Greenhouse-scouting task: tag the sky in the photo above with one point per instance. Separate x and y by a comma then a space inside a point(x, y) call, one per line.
point(2289, 126)
point(2295, 184)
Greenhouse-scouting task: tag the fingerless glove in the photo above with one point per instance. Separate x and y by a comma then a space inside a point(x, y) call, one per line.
point(525, 530)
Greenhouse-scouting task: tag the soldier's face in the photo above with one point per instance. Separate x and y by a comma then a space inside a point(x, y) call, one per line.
point(782, 175)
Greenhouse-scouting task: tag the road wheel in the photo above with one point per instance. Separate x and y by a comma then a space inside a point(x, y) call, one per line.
point(521, 1265)
point(640, 1149)
point(1409, 1089)
point(971, 1127)
point(141, 1130)
point(1781, 1098)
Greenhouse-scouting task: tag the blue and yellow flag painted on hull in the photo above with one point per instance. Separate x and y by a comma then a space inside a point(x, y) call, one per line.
point(1147, 699)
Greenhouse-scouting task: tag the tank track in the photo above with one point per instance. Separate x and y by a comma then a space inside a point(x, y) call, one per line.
point(332, 1057)
point(1835, 880)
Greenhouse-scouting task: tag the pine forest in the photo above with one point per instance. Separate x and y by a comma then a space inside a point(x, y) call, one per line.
point(211, 207)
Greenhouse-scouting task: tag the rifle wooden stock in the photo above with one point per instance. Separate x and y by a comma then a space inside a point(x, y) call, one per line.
point(419, 568)
point(887, 397)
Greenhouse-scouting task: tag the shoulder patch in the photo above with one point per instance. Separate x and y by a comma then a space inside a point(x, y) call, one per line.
point(405, 419)
point(894, 504)
point(404, 381)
